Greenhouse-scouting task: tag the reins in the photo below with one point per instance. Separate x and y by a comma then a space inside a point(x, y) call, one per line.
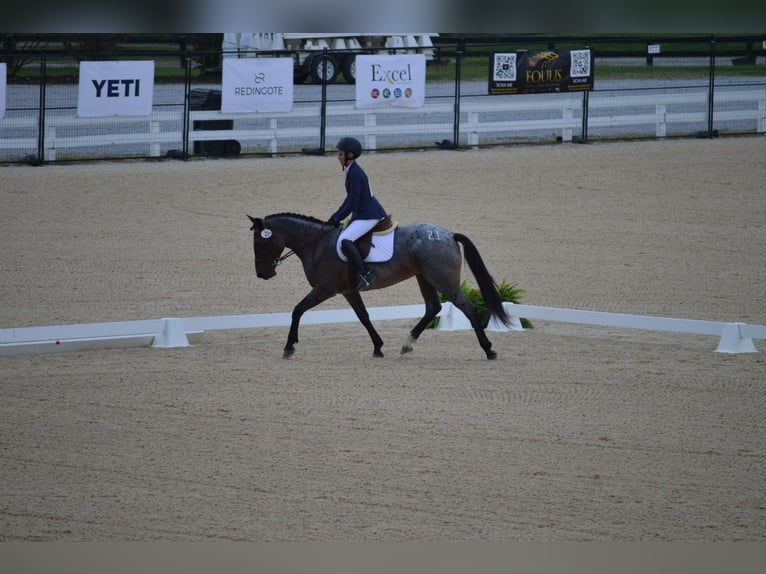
point(279, 260)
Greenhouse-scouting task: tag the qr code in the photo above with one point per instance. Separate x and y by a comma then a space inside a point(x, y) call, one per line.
point(580, 64)
point(505, 68)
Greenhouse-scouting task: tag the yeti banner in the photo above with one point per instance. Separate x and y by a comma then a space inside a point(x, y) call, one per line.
point(386, 81)
point(116, 88)
point(525, 72)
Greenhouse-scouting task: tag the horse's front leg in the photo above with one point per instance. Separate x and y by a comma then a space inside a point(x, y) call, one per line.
point(314, 298)
point(355, 300)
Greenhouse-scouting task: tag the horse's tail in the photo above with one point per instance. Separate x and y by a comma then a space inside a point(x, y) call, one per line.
point(487, 284)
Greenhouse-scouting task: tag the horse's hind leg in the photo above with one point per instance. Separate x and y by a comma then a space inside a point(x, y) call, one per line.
point(355, 300)
point(433, 306)
point(464, 304)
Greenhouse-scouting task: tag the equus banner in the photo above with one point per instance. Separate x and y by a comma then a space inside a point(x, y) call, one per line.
point(524, 72)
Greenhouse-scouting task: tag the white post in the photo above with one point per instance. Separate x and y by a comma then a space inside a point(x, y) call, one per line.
point(154, 146)
point(370, 141)
point(733, 342)
point(453, 320)
point(273, 140)
point(567, 114)
point(49, 151)
point(172, 335)
point(473, 129)
point(662, 126)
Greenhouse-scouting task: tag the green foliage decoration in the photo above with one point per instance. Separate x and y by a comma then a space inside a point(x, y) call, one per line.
point(509, 292)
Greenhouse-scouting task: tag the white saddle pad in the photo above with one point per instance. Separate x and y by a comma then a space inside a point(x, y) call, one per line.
point(382, 249)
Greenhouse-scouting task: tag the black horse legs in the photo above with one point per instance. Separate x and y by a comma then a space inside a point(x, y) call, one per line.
point(464, 304)
point(433, 306)
point(314, 298)
point(355, 300)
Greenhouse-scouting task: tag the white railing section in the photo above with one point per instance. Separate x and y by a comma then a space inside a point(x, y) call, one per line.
point(180, 332)
point(479, 121)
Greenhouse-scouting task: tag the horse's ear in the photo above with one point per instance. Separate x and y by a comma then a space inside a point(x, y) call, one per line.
point(257, 223)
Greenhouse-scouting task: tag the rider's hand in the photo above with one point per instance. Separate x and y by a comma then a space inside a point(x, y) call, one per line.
point(334, 222)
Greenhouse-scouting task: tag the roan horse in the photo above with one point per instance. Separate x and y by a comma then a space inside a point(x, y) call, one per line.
point(428, 252)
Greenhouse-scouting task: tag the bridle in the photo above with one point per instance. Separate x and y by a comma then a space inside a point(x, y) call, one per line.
point(266, 234)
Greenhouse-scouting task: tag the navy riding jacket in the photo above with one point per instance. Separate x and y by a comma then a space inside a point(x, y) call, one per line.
point(360, 203)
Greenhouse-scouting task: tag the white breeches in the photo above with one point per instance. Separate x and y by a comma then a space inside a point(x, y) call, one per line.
point(354, 231)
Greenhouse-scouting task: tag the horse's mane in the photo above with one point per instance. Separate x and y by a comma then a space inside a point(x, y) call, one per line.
point(308, 218)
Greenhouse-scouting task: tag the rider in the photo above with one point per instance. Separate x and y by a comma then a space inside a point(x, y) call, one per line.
point(365, 210)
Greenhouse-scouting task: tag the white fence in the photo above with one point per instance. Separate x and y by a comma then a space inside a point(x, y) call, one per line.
point(479, 121)
point(175, 332)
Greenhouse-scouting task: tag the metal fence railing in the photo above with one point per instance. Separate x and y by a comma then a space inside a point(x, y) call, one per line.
point(694, 92)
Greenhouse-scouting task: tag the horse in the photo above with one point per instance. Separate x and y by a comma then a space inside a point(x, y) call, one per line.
point(426, 251)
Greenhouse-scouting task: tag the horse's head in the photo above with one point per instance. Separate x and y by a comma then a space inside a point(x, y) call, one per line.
point(267, 247)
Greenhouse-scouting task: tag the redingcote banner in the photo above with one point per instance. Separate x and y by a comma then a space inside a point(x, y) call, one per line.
point(257, 85)
point(525, 72)
point(3, 82)
point(384, 81)
point(116, 88)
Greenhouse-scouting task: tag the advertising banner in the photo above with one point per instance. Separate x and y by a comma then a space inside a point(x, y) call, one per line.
point(383, 81)
point(525, 72)
point(123, 88)
point(3, 84)
point(257, 85)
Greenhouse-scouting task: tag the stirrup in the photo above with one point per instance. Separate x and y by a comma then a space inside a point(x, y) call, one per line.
point(365, 279)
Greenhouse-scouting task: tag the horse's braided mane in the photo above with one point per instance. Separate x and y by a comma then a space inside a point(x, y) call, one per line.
point(296, 216)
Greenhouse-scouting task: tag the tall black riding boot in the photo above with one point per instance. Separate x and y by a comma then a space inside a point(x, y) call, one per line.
point(356, 262)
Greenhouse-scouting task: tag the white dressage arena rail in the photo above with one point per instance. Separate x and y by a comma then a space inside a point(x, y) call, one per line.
point(181, 332)
point(479, 121)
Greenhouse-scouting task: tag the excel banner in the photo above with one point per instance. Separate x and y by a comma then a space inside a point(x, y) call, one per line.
point(385, 81)
point(116, 88)
point(525, 72)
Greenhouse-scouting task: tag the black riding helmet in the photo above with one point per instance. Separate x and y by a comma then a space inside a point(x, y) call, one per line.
point(350, 145)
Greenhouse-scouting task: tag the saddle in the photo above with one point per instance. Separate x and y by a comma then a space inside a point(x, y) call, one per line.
point(383, 227)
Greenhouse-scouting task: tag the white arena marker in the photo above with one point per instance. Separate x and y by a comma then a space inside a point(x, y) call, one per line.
point(732, 340)
point(172, 335)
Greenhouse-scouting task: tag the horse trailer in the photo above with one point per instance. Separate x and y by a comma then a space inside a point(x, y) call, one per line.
point(308, 50)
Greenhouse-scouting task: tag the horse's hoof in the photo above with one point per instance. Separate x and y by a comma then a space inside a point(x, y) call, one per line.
point(491, 355)
point(406, 349)
point(288, 353)
point(378, 354)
